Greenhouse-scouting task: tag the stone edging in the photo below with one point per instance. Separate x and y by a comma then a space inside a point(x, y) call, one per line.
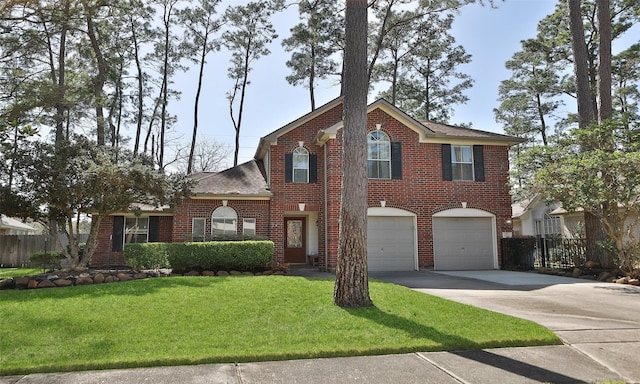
point(84, 276)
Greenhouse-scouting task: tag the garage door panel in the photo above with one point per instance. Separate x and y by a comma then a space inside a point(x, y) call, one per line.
point(390, 243)
point(463, 243)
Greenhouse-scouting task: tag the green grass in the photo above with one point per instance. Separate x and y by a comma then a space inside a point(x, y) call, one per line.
point(193, 320)
point(19, 272)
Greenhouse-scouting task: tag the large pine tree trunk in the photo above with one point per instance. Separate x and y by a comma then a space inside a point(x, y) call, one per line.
point(594, 231)
point(352, 285)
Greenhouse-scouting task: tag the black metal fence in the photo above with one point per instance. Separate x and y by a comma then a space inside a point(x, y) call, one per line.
point(535, 252)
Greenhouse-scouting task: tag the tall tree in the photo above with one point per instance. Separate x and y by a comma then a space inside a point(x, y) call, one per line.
point(249, 32)
point(596, 180)
point(201, 25)
point(88, 181)
point(313, 42)
point(528, 101)
point(352, 285)
point(425, 79)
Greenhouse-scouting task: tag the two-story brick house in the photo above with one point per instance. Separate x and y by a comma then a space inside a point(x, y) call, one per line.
point(437, 195)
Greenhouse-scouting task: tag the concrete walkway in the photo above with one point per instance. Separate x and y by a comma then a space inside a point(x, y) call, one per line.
point(598, 322)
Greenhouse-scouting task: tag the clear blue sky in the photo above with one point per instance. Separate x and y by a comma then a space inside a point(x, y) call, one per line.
point(491, 36)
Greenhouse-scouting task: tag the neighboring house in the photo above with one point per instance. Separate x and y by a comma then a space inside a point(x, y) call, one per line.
point(9, 226)
point(534, 217)
point(438, 195)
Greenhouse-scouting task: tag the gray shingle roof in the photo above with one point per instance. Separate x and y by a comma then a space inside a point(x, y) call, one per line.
point(246, 179)
point(455, 131)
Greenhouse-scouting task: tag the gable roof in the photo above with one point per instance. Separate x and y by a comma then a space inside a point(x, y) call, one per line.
point(452, 131)
point(247, 179)
point(10, 223)
point(427, 131)
point(272, 138)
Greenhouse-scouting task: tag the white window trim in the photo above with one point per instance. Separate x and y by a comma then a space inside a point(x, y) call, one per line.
point(137, 232)
point(378, 142)
point(252, 221)
point(453, 163)
point(233, 218)
point(300, 151)
point(204, 227)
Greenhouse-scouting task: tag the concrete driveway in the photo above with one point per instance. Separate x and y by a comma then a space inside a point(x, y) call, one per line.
point(601, 320)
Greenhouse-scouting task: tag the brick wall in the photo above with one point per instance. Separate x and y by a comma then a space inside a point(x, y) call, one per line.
point(420, 191)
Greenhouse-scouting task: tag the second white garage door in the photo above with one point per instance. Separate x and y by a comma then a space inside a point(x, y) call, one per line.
point(463, 243)
point(390, 243)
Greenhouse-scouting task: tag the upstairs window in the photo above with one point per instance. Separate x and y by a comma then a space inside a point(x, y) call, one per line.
point(378, 155)
point(300, 165)
point(462, 162)
point(224, 221)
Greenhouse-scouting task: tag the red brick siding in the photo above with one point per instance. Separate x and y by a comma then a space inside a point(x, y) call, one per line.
point(421, 190)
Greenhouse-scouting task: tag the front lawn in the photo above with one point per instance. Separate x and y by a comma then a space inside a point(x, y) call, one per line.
point(18, 272)
point(193, 320)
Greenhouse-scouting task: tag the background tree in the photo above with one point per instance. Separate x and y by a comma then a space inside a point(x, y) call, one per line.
point(528, 102)
point(248, 34)
point(581, 173)
point(427, 83)
point(352, 285)
point(81, 178)
point(208, 156)
point(201, 25)
point(16, 199)
point(313, 43)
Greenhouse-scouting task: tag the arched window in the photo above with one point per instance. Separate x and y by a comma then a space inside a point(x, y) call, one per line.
point(224, 221)
point(378, 155)
point(300, 165)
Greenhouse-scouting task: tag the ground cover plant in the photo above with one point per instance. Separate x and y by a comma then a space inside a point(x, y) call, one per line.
point(193, 320)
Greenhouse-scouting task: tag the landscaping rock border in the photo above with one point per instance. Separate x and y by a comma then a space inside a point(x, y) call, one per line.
point(592, 274)
point(85, 276)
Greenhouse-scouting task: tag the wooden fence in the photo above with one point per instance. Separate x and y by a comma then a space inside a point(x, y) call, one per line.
point(16, 249)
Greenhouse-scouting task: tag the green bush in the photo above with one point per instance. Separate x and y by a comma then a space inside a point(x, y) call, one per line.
point(221, 255)
point(49, 260)
point(146, 255)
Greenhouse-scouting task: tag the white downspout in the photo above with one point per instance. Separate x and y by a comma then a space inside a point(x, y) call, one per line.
point(326, 222)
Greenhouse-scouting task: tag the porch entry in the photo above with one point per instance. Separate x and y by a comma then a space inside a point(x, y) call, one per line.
point(295, 241)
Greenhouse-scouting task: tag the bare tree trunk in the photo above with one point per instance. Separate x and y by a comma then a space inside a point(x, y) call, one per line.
point(92, 240)
point(140, 78)
point(100, 78)
point(352, 284)
point(586, 114)
point(61, 86)
point(594, 231)
point(605, 103)
point(195, 108)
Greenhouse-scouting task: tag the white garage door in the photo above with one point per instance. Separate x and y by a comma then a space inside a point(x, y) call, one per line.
point(390, 243)
point(463, 243)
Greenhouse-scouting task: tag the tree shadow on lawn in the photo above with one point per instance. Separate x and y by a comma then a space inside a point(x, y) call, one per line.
point(462, 347)
point(415, 330)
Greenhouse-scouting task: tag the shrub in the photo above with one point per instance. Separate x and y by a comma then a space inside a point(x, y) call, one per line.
point(146, 255)
point(49, 260)
point(221, 255)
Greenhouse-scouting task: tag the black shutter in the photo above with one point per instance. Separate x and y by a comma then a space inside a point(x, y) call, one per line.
point(313, 168)
point(117, 239)
point(447, 173)
point(154, 229)
point(288, 167)
point(396, 160)
point(478, 162)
